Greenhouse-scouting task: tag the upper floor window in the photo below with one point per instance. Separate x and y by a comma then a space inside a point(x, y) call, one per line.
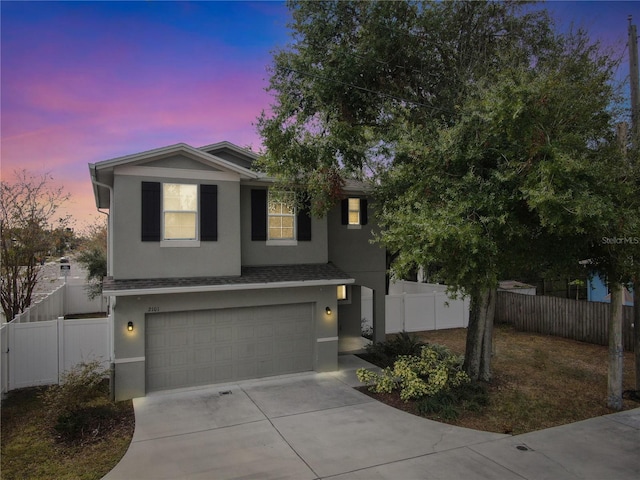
point(177, 214)
point(282, 218)
point(276, 220)
point(180, 211)
point(354, 211)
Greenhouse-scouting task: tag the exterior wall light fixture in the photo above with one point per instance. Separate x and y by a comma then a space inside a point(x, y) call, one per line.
point(328, 310)
point(130, 326)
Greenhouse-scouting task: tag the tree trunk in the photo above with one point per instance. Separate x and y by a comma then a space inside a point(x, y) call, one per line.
point(477, 359)
point(614, 390)
point(487, 343)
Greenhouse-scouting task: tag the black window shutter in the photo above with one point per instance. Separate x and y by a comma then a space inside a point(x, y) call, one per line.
point(364, 217)
point(209, 213)
point(258, 215)
point(345, 211)
point(304, 222)
point(151, 211)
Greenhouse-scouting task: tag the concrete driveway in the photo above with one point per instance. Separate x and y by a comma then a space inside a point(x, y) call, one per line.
point(316, 426)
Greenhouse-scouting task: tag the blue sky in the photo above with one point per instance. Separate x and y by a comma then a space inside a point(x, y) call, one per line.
point(87, 81)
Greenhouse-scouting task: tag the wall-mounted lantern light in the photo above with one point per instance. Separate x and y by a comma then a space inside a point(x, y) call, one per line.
point(328, 310)
point(130, 326)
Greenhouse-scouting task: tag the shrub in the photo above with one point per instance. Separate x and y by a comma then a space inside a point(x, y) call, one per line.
point(384, 354)
point(448, 404)
point(79, 402)
point(435, 369)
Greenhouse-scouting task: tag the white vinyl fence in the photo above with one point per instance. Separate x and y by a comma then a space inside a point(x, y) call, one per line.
point(37, 353)
point(38, 345)
point(415, 307)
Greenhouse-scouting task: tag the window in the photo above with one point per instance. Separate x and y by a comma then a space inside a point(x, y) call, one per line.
point(276, 219)
point(354, 211)
point(341, 292)
point(281, 211)
point(180, 214)
point(180, 211)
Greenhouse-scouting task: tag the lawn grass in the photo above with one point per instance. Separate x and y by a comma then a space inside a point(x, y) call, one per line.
point(538, 381)
point(30, 448)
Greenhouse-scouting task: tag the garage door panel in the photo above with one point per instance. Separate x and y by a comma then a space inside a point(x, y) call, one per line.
point(223, 334)
point(203, 355)
point(223, 354)
point(204, 347)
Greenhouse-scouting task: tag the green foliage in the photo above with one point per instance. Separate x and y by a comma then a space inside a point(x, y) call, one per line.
point(358, 74)
point(449, 404)
point(434, 370)
point(489, 138)
point(93, 257)
point(385, 353)
point(79, 402)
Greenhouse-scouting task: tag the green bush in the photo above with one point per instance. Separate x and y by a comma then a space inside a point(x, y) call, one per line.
point(447, 404)
point(384, 354)
point(79, 402)
point(434, 369)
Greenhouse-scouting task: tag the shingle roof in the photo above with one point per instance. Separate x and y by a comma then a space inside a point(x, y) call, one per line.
point(251, 277)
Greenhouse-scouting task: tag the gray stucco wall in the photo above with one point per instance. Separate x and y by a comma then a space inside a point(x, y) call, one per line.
point(130, 346)
point(133, 258)
point(351, 250)
point(259, 253)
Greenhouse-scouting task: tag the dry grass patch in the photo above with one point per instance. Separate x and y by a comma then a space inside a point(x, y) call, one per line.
point(539, 381)
point(31, 449)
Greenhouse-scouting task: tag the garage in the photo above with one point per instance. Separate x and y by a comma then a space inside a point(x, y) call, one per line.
point(202, 347)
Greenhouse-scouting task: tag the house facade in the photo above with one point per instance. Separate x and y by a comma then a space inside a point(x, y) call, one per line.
point(214, 276)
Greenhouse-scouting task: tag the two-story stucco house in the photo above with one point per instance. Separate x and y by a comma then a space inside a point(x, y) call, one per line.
point(213, 277)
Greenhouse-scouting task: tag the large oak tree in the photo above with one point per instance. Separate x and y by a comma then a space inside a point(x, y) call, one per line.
point(487, 137)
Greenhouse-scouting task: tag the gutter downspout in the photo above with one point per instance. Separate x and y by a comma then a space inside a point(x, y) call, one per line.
point(112, 300)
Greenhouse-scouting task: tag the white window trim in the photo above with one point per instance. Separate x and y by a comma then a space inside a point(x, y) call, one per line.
point(282, 242)
point(180, 242)
point(354, 226)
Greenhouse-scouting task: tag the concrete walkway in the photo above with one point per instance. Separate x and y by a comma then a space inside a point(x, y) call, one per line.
point(316, 426)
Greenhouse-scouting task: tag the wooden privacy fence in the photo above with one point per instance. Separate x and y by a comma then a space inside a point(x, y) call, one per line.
point(576, 319)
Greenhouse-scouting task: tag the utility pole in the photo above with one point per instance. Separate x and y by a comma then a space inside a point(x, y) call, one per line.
point(634, 78)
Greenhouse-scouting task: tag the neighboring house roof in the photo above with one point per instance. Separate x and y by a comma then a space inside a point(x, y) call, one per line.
point(272, 276)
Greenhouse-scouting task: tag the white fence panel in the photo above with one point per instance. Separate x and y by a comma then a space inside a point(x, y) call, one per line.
point(36, 353)
point(4, 359)
point(77, 300)
point(85, 340)
point(451, 313)
point(431, 309)
point(394, 313)
point(33, 350)
point(419, 312)
point(397, 287)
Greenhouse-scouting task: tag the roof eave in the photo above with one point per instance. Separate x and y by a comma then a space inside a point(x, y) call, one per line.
point(226, 288)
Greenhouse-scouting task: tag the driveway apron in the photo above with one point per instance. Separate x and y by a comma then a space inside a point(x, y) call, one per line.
point(316, 425)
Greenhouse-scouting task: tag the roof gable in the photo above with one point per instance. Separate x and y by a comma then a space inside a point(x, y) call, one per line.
point(102, 172)
point(228, 151)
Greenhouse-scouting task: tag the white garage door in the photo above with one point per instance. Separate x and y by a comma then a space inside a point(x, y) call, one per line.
point(185, 349)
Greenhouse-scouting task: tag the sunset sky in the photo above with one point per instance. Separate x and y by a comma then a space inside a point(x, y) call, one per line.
point(88, 81)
